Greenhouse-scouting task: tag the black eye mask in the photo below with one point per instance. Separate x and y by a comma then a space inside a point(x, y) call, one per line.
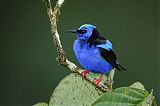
point(82, 31)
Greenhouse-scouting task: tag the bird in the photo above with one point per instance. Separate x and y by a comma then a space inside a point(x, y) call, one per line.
point(94, 52)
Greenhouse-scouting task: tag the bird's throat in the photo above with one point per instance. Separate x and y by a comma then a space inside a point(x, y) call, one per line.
point(82, 42)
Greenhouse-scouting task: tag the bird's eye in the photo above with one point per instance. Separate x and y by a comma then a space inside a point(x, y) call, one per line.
point(81, 31)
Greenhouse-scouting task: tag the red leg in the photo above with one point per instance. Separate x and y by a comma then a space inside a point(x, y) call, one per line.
point(97, 82)
point(84, 73)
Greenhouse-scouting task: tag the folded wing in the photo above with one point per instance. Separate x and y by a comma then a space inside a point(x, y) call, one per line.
point(108, 54)
point(105, 49)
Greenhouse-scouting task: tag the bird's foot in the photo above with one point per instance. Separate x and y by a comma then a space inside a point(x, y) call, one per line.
point(85, 73)
point(97, 82)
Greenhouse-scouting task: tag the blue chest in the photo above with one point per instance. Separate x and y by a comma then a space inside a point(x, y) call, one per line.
point(90, 58)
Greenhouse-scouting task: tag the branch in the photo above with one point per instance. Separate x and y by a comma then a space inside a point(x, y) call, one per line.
point(62, 59)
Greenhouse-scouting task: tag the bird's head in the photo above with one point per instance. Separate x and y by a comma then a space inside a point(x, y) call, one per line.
point(84, 32)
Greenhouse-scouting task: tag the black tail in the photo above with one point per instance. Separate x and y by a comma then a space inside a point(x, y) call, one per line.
point(120, 68)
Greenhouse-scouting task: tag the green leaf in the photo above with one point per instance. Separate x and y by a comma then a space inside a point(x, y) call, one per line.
point(134, 95)
point(74, 91)
point(148, 101)
point(138, 85)
point(41, 104)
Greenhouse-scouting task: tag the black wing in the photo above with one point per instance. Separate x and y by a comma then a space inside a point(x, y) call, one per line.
point(111, 58)
point(96, 39)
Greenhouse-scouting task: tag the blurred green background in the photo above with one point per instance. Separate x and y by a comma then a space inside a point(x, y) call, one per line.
point(29, 72)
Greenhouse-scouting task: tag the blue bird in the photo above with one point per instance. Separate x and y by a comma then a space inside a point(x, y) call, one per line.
point(94, 52)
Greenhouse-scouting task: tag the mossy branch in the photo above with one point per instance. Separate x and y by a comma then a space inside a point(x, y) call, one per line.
point(62, 59)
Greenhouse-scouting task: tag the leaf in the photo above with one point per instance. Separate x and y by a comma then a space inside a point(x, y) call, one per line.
point(74, 91)
point(148, 100)
point(41, 104)
point(138, 85)
point(134, 95)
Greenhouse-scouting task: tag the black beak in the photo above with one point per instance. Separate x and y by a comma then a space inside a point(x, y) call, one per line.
point(70, 31)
